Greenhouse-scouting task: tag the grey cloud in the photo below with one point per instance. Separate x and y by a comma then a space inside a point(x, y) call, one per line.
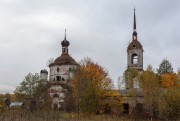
point(31, 32)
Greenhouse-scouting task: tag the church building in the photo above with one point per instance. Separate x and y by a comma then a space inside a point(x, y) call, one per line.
point(60, 75)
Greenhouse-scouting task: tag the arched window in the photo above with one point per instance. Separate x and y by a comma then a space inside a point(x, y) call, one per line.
point(58, 69)
point(70, 69)
point(134, 37)
point(58, 78)
point(134, 58)
point(63, 50)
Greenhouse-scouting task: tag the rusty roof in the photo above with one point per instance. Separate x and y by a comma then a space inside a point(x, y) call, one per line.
point(135, 44)
point(64, 59)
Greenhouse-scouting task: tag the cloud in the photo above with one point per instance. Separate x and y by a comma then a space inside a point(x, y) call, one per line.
point(31, 32)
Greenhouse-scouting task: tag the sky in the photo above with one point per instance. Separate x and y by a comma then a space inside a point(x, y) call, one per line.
point(31, 32)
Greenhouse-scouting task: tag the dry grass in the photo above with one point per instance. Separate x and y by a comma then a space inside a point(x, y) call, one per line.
point(26, 115)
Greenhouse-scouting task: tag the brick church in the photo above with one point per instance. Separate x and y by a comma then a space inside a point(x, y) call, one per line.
point(60, 75)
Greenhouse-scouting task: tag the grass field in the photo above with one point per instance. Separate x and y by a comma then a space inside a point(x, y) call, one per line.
point(26, 115)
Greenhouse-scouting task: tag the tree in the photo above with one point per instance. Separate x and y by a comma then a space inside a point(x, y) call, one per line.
point(2, 105)
point(90, 101)
point(28, 86)
point(69, 102)
point(90, 84)
point(170, 80)
point(165, 67)
point(178, 71)
point(170, 104)
point(49, 61)
point(151, 90)
point(8, 96)
point(129, 76)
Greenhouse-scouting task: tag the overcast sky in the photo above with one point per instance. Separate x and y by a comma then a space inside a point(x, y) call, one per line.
point(31, 32)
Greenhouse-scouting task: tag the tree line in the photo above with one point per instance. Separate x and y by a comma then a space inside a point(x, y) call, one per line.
point(92, 92)
point(86, 92)
point(161, 89)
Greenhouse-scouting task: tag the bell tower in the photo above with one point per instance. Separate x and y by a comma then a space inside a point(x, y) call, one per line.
point(135, 50)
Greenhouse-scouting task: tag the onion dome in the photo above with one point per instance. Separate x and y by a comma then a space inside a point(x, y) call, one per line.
point(135, 33)
point(65, 43)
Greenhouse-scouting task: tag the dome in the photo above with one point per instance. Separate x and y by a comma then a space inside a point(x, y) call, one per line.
point(135, 44)
point(65, 43)
point(134, 33)
point(44, 71)
point(64, 59)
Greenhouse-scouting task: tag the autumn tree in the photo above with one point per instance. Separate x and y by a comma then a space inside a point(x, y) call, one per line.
point(165, 67)
point(28, 86)
point(170, 104)
point(151, 90)
point(90, 84)
point(2, 105)
point(170, 80)
point(170, 97)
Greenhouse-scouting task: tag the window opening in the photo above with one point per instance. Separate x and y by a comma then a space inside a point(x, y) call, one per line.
point(70, 69)
point(58, 78)
point(58, 69)
point(134, 59)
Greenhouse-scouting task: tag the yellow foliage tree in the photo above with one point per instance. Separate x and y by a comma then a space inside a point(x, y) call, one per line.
point(90, 84)
point(170, 80)
point(170, 104)
point(151, 90)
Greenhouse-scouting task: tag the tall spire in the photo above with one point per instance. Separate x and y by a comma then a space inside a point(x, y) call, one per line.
point(134, 27)
point(134, 20)
point(65, 35)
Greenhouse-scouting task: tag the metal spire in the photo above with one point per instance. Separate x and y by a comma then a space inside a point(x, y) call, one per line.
point(134, 27)
point(65, 35)
point(134, 20)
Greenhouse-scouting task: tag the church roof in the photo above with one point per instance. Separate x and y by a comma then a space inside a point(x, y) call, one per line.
point(135, 44)
point(44, 71)
point(64, 59)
